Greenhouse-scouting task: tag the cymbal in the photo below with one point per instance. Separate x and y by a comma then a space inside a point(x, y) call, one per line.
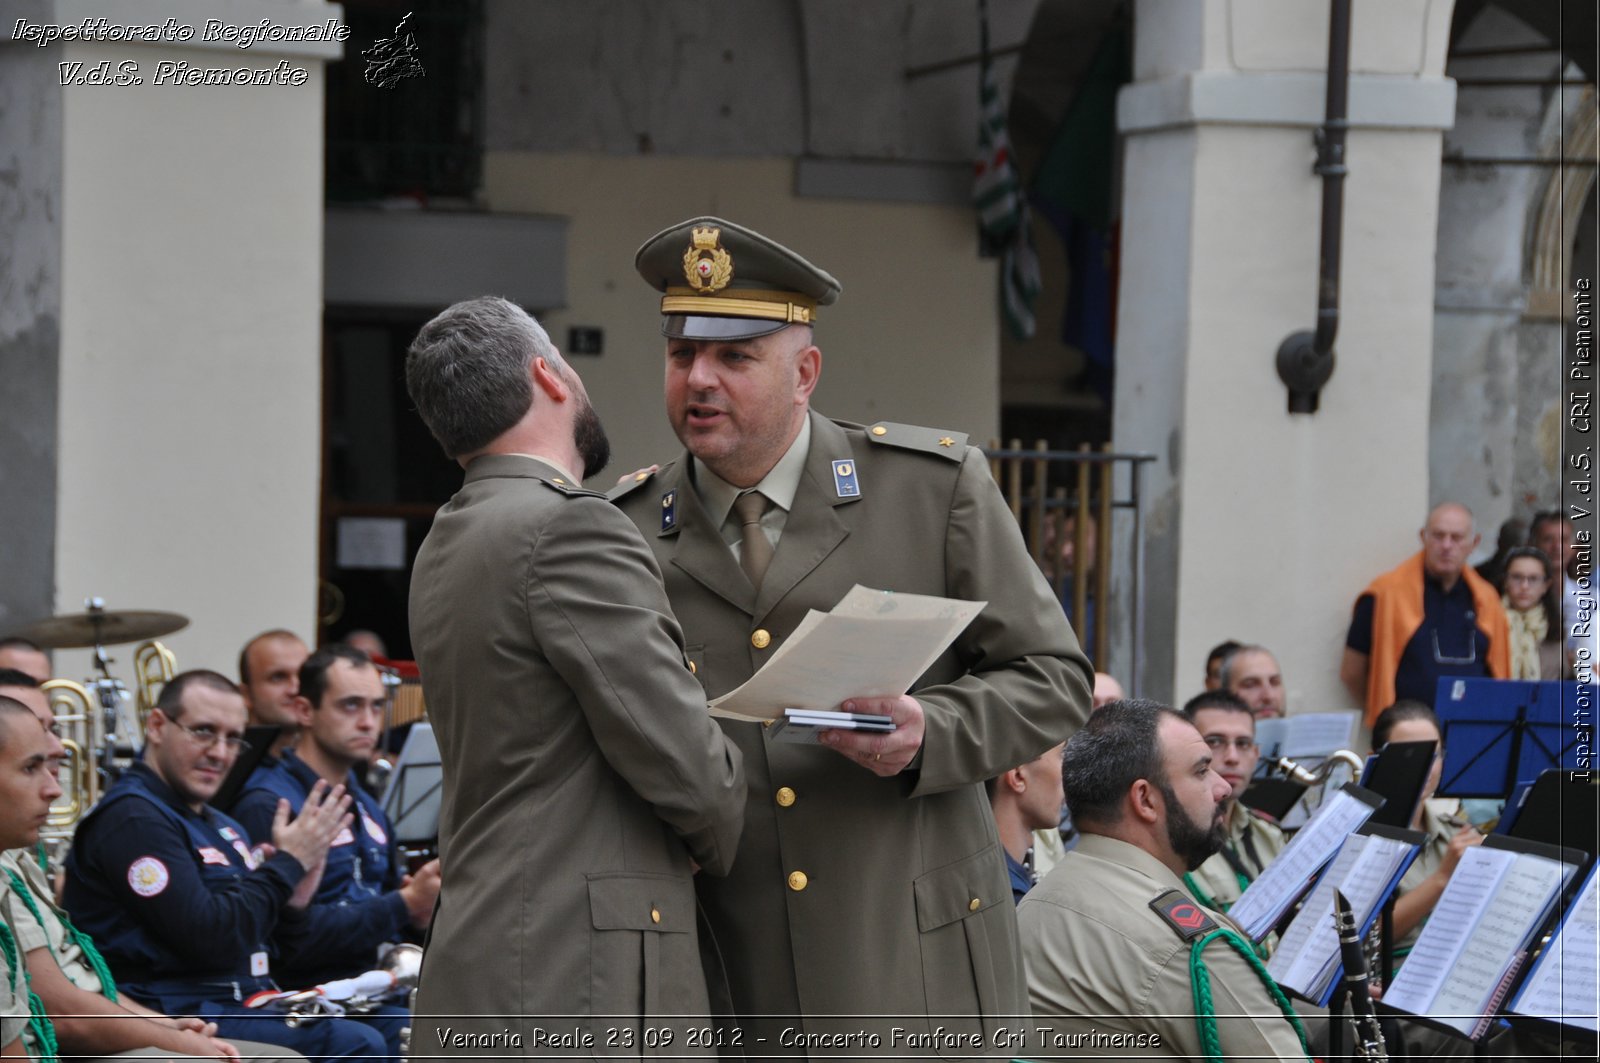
point(102, 628)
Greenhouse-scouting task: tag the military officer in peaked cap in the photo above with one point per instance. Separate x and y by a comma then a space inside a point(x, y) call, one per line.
point(870, 892)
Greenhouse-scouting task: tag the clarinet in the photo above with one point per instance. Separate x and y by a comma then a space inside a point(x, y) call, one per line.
point(1363, 1016)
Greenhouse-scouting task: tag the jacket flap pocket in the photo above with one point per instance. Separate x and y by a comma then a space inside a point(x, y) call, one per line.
point(957, 890)
point(663, 903)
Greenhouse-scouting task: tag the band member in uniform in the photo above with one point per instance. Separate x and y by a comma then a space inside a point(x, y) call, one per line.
point(184, 912)
point(365, 900)
point(27, 788)
point(870, 877)
point(1111, 937)
point(1229, 727)
point(582, 773)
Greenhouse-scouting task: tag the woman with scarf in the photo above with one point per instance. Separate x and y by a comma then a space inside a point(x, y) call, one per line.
point(1536, 644)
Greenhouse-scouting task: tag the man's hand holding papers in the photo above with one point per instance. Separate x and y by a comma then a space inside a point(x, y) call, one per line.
point(860, 657)
point(882, 754)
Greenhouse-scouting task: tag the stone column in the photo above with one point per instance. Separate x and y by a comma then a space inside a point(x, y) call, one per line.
point(164, 296)
point(1263, 526)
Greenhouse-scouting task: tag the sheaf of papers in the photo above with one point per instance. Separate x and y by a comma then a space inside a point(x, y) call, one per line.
point(1265, 900)
point(1491, 907)
point(1308, 957)
point(1563, 985)
point(872, 644)
point(1307, 734)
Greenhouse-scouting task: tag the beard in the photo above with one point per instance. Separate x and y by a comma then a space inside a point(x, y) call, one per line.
point(589, 436)
point(1194, 843)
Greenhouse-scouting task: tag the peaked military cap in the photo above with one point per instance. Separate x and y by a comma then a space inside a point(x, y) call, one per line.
point(721, 281)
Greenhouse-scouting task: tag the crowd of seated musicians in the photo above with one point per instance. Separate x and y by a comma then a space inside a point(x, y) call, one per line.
point(172, 914)
point(196, 910)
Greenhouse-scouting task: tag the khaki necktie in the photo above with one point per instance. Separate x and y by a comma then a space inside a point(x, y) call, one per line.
point(755, 550)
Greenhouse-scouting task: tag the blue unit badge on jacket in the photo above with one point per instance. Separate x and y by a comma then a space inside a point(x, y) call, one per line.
point(669, 510)
point(844, 479)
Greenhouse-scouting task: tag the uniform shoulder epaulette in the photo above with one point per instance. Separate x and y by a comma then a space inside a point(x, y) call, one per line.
point(568, 488)
point(951, 445)
point(1186, 918)
point(630, 485)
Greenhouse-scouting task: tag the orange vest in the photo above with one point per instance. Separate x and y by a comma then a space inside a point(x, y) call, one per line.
point(1397, 614)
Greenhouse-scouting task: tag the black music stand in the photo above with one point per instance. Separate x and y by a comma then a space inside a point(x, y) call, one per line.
point(1497, 731)
point(1398, 774)
point(1560, 808)
point(411, 800)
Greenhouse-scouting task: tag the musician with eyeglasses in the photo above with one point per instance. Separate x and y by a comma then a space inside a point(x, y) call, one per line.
point(185, 913)
point(1229, 728)
point(1430, 616)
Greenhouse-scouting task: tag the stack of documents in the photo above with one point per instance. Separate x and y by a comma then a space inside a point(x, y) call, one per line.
point(1462, 965)
point(802, 725)
point(1367, 869)
point(1281, 882)
point(1563, 986)
point(872, 644)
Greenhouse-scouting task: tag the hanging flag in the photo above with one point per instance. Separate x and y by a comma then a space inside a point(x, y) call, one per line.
point(1073, 190)
point(997, 195)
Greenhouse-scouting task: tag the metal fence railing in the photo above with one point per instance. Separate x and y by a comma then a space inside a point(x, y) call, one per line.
point(1072, 505)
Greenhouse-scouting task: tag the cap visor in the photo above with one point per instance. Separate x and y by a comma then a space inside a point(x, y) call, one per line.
point(697, 327)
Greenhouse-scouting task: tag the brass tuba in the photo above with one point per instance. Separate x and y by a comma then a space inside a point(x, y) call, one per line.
point(75, 713)
point(153, 667)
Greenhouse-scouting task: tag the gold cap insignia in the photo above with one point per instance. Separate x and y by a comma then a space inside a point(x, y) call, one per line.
point(707, 266)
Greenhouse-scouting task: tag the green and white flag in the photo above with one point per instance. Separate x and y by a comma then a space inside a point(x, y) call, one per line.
point(1002, 206)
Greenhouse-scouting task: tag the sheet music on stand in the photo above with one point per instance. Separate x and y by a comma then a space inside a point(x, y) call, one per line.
point(1563, 986)
point(1282, 881)
point(1369, 866)
point(1475, 941)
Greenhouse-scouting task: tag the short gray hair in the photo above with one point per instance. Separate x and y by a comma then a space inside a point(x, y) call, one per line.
point(1225, 675)
point(467, 371)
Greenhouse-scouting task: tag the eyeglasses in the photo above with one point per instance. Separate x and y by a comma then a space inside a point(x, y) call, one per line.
point(1525, 577)
point(1221, 742)
point(208, 736)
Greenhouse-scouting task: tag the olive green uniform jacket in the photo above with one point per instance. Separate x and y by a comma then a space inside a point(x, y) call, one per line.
point(1102, 961)
point(854, 894)
point(581, 773)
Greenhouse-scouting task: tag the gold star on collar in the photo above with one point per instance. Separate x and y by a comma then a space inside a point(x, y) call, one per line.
point(946, 441)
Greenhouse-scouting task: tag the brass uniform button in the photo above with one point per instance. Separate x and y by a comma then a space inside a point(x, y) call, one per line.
point(797, 880)
point(879, 430)
point(785, 797)
point(974, 904)
point(692, 669)
point(655, 915)
point(761, 639)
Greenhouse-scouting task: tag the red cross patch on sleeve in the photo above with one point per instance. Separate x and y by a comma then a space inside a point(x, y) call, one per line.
point(1185, 917)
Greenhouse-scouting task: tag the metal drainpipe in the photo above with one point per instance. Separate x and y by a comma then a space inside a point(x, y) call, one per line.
point(1305, 359)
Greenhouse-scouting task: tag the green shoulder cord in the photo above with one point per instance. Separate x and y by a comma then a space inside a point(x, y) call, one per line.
point(1205, 1010)
point(108, 985)
point(44, 1034)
